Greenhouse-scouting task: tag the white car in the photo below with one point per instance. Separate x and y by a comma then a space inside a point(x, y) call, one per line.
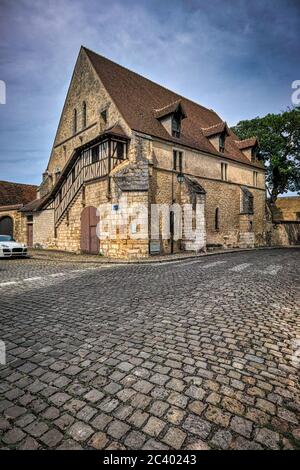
point(9, 248)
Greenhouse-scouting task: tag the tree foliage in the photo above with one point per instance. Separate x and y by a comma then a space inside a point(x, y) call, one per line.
point(279, 139)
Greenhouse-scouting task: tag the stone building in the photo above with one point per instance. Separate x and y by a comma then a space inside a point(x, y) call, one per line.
point(124, 137)
point(13, 197)
point(286, 208)
point(286, 221)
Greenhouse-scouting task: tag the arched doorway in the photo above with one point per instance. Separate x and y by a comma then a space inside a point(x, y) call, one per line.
point(89, 242)
point(6, 226)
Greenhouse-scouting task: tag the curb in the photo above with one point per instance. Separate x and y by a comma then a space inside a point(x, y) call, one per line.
point(163, 260)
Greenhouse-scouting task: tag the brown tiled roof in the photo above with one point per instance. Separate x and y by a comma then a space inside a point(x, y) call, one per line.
point(216, 129)
point(244, 144)
point(171, 108)
point(33, 205)
point(138, 100)
point(16, 193)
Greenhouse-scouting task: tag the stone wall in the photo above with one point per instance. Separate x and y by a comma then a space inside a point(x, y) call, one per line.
point(68, 231)
point(285, 233)
point(85, 87)
point(287, 208)
point(131, 240)
point(208, 166)
point(43, 229)
point(222, 195)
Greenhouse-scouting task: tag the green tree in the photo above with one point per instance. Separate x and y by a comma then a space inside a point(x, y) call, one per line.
point(279, 139)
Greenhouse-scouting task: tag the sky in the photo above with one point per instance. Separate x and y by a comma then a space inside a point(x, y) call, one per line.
point(238, 57)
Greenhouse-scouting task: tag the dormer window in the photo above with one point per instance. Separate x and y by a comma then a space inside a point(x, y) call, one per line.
point(216, 134)
point(249, 147)
point(254, 153)
point(222, 138)
point(170, 117)
point(176, 125)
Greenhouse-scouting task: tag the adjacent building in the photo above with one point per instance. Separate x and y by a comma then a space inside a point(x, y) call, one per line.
point(13, 196)
point(122, 136)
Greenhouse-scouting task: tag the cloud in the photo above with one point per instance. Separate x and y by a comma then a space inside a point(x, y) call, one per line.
point(237, 57)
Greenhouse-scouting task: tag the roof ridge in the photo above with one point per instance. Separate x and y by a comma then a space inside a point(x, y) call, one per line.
point(20, 184)
point(167, 105)
point(149, 80)
point(214, 125)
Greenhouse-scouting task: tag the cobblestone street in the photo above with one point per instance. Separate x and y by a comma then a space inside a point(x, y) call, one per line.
point(191, 354)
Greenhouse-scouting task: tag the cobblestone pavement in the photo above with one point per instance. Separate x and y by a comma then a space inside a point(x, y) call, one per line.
point(195, 354)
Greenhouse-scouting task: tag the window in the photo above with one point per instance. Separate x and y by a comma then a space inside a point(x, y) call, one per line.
point(254, 152)
point(251, 204)
point(255, 177)
point(95, 154)
point(224, 171)
point(174, 159)
point(176, 125)
point(74, 121)
point(73, 175)
point(29, 218)
point(177, 160)
point(222, 142)
point(120, 151)
point(247, 201)
point(103, 115)
point(84, 120)
point(217, 221)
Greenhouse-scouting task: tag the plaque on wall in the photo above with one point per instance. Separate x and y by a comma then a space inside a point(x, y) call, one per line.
point(154, 248)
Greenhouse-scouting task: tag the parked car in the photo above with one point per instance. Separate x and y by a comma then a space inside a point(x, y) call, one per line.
point(9, 248)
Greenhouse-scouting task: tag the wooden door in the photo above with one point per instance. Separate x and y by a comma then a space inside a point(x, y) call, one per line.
point(89, 241)
point(29, 235)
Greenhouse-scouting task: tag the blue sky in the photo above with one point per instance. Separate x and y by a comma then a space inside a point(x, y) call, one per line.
point(238, 57)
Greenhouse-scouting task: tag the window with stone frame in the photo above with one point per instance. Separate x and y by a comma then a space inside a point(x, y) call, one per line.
point(247, 201)
point(224, 167)
point(217, 219)
point(177, 160)
point(84, 115)
point(104, 115)
point(255, 178)
point(74, 121)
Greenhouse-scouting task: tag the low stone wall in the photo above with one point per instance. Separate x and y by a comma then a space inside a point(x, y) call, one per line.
point(43, 229)
point(285, 233)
